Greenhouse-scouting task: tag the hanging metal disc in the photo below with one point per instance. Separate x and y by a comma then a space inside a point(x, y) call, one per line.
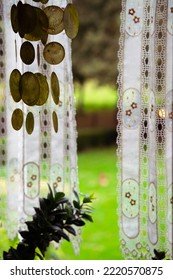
point(44, 89)
point(17, 119)
point(29, 123)
point(27, 18)
point(54, 53)
point(40, 30)
point(71, 21)
point(55, 88)
point(27, 53)
point(29, 88)
point(14, 85)
point(55, 121)
point(55, 17)
point(14, 18)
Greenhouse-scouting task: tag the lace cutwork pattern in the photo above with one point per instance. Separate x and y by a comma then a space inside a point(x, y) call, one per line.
point(145, 128)
point(3, 151)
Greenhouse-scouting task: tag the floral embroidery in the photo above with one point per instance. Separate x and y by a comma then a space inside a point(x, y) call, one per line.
point(131, 12)
point(134, 253)
point(128, 194)
point(151, 199)
point(136, 19)
point(128, 112)
point(55, 185)
point(153, 208)
point(138, 245)
point(134, 105)
point(133, 202)
point(33, 177)
point(123, 242)
point(127, 251)
point(58, 179)
point(29, 184)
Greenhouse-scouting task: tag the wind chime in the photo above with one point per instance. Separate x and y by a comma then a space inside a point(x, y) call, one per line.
point(37, 114)
point(145, 113)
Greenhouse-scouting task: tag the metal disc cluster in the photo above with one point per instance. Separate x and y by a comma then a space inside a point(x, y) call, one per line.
point(36, 24)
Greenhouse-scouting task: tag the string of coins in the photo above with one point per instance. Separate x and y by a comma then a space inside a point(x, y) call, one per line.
point(36, 24)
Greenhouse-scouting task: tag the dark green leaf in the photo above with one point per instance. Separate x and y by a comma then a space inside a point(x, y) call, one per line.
point(43, 204)
point(25, 234)
point(40, 256)
point(76, 204)
point(87, 217)
point(159, 254)
point(70, 230)
point(54, 228)
point(77, 196)
point(31, 226)
point(87, 199)
point(63, 235)
point(78, 223)
point(62, 200)
point(50, 194)
point(59, 195)
point(56, 238)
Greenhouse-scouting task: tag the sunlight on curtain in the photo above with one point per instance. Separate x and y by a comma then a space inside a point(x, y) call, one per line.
point(145, 113)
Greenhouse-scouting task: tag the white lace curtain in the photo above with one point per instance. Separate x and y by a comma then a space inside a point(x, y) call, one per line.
point(29, 161)
point(145, 113)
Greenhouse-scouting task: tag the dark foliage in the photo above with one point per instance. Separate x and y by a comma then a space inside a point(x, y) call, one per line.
point(159, 255)
point(52, 221)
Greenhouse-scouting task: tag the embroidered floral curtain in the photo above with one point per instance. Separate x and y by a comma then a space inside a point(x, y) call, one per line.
point(145, 113)
point(37, 131)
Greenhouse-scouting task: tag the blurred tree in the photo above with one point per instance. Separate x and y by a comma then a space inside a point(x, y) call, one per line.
point(95, 48)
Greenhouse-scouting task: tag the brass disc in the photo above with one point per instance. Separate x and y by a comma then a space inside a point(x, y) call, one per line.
point(55, 88)
point(29, 123)
point(17, 119)
point(14, 85)
point(40, 30)
point(55, 121)
point(14, 18)
point(27, 53)
point(55, 17)
point(29, 88)
point(44, 1)
point(71, 21)
point(54, 53)
point(44, 89)
point(27, 18)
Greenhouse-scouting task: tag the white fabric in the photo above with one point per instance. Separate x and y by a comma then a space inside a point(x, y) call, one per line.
point(43, 157)
point(145, 113)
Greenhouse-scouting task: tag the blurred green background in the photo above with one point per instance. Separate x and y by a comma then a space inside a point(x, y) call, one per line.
point(95, 73)
point(94, 53)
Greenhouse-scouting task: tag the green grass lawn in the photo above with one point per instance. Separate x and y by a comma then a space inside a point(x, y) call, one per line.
point(100, 240)
point(95, 97)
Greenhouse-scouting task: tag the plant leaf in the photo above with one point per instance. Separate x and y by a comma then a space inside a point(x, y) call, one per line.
point(87, 217)
point(70, 230)
point(76, 204)
point(78, 223)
